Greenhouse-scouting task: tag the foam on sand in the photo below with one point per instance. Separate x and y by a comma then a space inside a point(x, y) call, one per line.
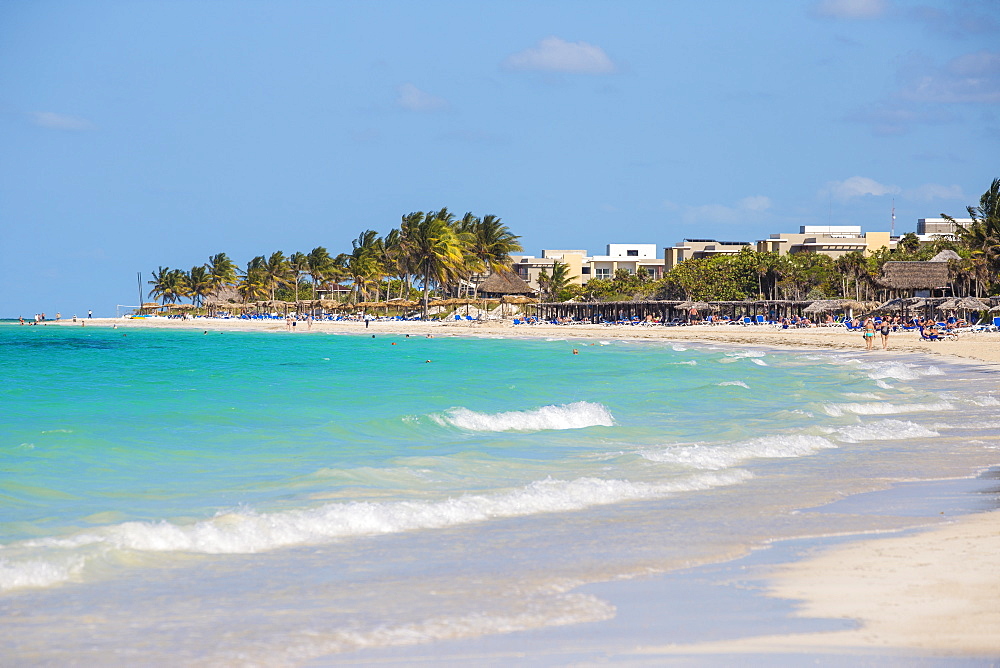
point(245, 531)
point(883, 430)
point(715, 457)
point(884, 408)
point(577, 415)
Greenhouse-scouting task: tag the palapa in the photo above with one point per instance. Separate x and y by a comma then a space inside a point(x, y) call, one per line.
point(914, 275)
point(505, 283)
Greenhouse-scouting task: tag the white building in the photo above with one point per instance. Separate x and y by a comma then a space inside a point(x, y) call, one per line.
point(583, 266)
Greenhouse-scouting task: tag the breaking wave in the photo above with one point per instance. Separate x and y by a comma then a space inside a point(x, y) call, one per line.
point(245, 531)
point(577, 415)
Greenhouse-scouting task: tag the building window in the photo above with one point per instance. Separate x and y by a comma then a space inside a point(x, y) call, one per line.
point(632, 253)
point(585, 271)
point(602, 273)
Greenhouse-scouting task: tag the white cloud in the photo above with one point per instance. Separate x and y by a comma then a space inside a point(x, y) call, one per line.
point(414, 99)
point(54, 121)
point(972, 77)
point(857, 186)
point(932, 191)
point(851, 9)
point(555, 55)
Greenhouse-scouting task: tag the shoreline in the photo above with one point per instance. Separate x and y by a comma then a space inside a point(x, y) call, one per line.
point(926, 591)
point(982, 347)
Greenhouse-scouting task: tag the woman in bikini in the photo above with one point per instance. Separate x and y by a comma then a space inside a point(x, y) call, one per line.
point(869, 334)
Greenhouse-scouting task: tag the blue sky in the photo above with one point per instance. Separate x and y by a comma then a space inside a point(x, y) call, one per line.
point(142, 134)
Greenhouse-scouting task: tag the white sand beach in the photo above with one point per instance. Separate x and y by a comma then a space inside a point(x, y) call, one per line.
point(928, 592)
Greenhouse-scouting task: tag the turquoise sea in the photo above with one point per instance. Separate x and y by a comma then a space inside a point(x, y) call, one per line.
point(262, 498)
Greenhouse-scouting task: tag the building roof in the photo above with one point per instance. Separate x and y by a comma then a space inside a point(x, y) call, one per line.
point(914, 275)
point(505, 283)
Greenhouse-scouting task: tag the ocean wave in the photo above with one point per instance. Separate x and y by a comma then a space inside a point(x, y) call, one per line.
point(740, 354)
point(245, 531)
point(737, 383)
point(688, 363)
point(985, 400)
point(577, 415)
point(883, 430)
point(884, 408)
point(33, 573)
point(898, 370)
point(715, 457)
point(759, 362)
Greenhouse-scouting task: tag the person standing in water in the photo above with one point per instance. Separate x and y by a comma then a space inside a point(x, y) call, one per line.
point(884, 330)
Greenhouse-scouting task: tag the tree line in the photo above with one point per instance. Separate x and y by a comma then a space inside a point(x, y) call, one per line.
point(434, 249)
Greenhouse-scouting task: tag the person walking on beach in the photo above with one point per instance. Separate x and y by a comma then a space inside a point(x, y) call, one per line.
point(90, 313)
point(884, 331)
point(869, 334)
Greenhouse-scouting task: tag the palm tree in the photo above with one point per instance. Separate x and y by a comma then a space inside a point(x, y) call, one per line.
point(221, 271)
point(253, 283)
point(199, 284)
point(320, 267)
point(298, 263)
point(490, 243)
point(436, 249)
point(982, 235)
point(168, 284)
point(363, 264)
point(556, 283)
point(277, 271)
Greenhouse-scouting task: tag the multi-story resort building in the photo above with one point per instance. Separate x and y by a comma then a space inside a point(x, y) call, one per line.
point(582, 266)
point(832, 240)
point(930, 229)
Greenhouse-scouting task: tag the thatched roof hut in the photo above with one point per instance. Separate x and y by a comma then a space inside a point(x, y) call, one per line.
point(504, 283)
point(914, 275)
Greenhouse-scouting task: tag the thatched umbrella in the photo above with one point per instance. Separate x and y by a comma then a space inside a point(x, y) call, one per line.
point(824, 306)
point(505, 283)
point(914, 275)
point(972, 304)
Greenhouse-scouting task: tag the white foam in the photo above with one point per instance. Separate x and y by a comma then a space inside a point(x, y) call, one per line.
point(577, 415)
point(688, 363)
point(861, 395)
point(245, 531)
point(738, 383)
point(678, 347)
point(740, 354)
point(883, 430)
point(898, 370)
point(884, 385)
point(715, 457)
point(985, 400)
point(884, 408)
point(759, 362)
point(15, 574)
